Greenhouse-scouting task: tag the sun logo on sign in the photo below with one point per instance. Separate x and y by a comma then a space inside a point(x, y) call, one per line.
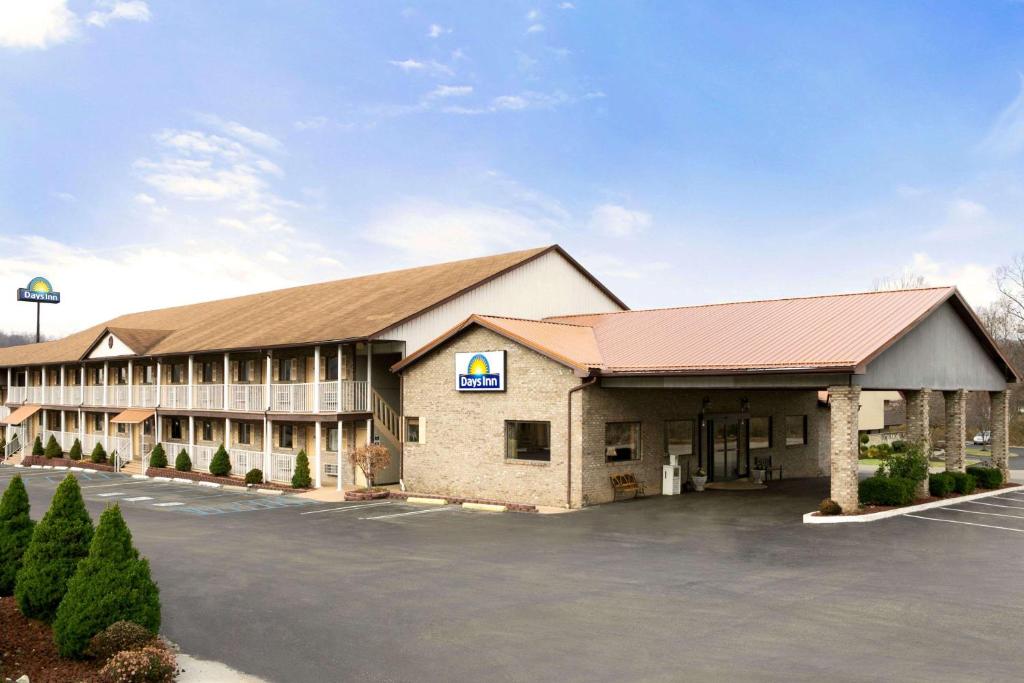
point(40, 284)
point(478, 365)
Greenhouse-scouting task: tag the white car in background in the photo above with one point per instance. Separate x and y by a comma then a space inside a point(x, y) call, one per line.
point(982, 438)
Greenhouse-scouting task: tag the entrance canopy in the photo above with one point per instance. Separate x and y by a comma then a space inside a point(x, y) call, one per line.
point(20, 415)
point(133, 416)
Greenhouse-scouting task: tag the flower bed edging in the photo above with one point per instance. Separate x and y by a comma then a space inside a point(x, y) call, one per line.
point(30, 460)
point(167, 473)
point(815, 518)
point(456, 500)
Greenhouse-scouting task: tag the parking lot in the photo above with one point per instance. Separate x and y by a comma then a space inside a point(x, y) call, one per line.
point(720, 585)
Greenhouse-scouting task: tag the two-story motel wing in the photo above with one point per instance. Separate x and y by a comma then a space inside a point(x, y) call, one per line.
point(270, 374)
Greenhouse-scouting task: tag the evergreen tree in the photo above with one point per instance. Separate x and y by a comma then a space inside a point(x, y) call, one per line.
point(112, 584)
point(53, 448)
point(15, 533)
point(99, 454)
point(37, 446)
point(76, 450)
point(300, 477)
point(220, 465)
point(3, 443)
point(59, 542)
point(157, 457)
point(183, 463)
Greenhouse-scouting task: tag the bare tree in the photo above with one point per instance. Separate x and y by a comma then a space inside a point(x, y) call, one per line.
point(907, 279)
point(1010, 308)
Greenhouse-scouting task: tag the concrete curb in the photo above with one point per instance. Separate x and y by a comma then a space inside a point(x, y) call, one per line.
point(484, 507)
point(270, 492)
point(161, 479)
point(139, 476)
point(73, 469)
point(179, 480)
point(233, 487)
point(63, 468)
point(35, 467)
point(426, 501)
point(812, 518)
point(208, 484)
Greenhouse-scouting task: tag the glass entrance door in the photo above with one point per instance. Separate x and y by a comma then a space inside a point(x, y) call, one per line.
point(725, 439)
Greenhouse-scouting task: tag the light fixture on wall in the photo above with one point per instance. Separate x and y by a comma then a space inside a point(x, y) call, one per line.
point(744, 405)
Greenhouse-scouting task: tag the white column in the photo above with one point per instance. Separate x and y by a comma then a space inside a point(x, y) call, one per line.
point(268, 430)
point(227, 434)
point(159, 365)
point(191, 381)
point(106, 383)
point(131, 387)
point(158, 428)
point(316, 445)
point(62, 400)
point(81, 381)
point(191, 436)
point(63, 423)
point(270, 378)
point(227, 378)
point(340, 434)
point(369, 391)
point(316, 391)
point(81, 427)
point(106, 432)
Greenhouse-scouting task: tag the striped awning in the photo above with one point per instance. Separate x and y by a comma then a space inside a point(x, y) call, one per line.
point(20, 415)
point(133, 416)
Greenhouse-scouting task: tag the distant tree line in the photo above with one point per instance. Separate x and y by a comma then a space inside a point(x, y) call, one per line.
point(16, 338)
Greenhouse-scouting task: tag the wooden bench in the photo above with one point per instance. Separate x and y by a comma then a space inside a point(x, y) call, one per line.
point(766, 465)
point(626, 483)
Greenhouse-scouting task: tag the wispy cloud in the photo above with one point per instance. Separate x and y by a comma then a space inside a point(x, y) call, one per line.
point(37, 24)
point(1006, 136)
point(436, 31)
point(310, 123)
point(414, 66)
point(976, 281)
point(535, 28)
point(618, 221)
point(451, 91)
point(519, 102)
point(118, 10)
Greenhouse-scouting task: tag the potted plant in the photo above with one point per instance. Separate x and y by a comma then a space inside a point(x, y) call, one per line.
point(700, 477)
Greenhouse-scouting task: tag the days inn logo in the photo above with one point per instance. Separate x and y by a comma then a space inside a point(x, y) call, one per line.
point(40, 291)
point(482, 371)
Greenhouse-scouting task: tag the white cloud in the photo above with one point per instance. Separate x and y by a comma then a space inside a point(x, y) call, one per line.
point(451, 91)
point(414, 66)
point(975, 281)
point(523, 101)
point(618, 221)
point(65, 197)
point(436, 31)
point(119, 10)
point(535, 28)
point(965, 219)
point(533, 15)
point(1006, 135)
point(143, 198)
point(566, 5)
point(35, 24)
point(426, 232)
point(241, 133)
point(311, 123)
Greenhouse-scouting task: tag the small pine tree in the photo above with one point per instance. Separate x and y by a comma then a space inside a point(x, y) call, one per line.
point(99, 454)
point(220, 465)
point(157, 457)
point(183, 463)
point(60, 540)
point(111, 584)
point(53, 448)
point(37, 447)
point(15, 533)
point(300, 477)
point(76, 450)
point(3, 444)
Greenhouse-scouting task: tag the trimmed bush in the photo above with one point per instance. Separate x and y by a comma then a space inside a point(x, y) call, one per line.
point(60, 541)
point(864, 439)
point(52, 448)
point(37, 447)
point(254, 476)
point(965, 483)
point(911, 463)
point(220, 464)
point(111, 584)
point(151, 664)
point(300, 477)
point(99, 454)
point(941, 484)
point(76, 450)
point(987, 477)
point(884, 450)
point(183, 463)
point(899, 446)
point(157, 457)
point(886, 490)
point(118, 637)
point(829, 507)
point(15, 533)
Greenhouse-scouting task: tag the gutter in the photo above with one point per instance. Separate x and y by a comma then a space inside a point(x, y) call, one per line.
point(568, 444)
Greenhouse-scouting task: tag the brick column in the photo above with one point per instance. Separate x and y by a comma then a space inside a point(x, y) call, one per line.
point(918, 429)
point(1001, 431)
point(844, 405)
point(956, 429)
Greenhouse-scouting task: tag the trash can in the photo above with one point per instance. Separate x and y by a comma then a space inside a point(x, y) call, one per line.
point(671, 480)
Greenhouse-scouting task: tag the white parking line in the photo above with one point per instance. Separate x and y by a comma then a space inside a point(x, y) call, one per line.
point(405, 514)
point(137, 499)
point(119, 483)
point(350, 507)
point(957, 521)
point(110, 493)
point(165, 505)
point(995, 505)
point(976, 512)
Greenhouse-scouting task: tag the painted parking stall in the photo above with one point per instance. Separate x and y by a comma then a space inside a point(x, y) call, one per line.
point(1003, 514)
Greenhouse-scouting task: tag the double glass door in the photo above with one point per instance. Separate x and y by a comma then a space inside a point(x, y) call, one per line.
point(727, 445)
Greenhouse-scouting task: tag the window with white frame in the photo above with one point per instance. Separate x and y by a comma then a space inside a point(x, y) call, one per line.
point(285, 435)
point(413, 432)
point(207, 430)
point(332, 438)
point(245, 433)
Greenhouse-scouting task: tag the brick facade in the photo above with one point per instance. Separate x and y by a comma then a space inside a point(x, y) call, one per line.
point(956, 429)
point(844, 452)
point(918, 427)
point(1001, 431)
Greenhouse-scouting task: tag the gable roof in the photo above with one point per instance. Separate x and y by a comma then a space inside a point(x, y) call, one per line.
point(350, 309)
point(838, 333)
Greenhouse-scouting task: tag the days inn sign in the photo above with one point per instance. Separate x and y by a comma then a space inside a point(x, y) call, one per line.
point(480, 371)
point(39, 291)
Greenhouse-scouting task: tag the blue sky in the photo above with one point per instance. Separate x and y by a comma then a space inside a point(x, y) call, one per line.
point(155, 153)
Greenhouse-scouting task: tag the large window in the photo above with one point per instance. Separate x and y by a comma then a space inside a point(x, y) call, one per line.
point(286, 369)
point(528, 440)
point(760, 432)
point(412, 430)
point(178, 373)
point(679, 437)
point(331, 372)
point(244, 433)
point(796, 430)
point(148, 374)
point(207, 372)
point(207, 430)
point(285, 435)
point(332, 439)
point(97, 422)
point(621, 441)
point(121, 374)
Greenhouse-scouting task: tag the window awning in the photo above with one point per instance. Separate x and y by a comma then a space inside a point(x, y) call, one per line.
point(133, 416)
point(20, 415)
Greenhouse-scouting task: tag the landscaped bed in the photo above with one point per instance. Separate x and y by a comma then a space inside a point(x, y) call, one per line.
point(30, 460)
point(27, 648)
point(869, 509)
point(170, 472)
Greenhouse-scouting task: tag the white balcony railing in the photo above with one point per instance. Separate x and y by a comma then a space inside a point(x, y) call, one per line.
point(201, 457)
point(282, 466)
point(118, 395)
point(243, 460)
point(119, 445)
point(208, 396)
point(64, 439)
point(4, 411)
point(145, 396)
point(93, 395)
point(346, 396)
point(89, 442)
point(174, 396)
point(291, 398)
point(51, 395)
point(247, 397)
point(16, 394)
point(33, 394)
point(72, 396)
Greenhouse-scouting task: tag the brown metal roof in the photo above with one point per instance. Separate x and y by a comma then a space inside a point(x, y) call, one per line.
point(133, 416)
point(356, 308)
point(20, 415)
point(839, 332)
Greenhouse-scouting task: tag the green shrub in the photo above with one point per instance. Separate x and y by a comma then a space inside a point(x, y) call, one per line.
point(111, 584)
point(864, 439)
point(99, 454)
point(76, 450)
point(884, 450)
point(220, 465)
point(829, 507)
point(183, 463)
point(886, 490)
point(151, 664)
point(254, 476)
point(157, 457)
point(899, 446)
point(941, 484)
point(300, 477)
point(37, 447)
point(52, 448)
point(118, 637)
point(60, 540)
point(911, 463)
point(15, 533)
point(965, 483)
point(987, 477)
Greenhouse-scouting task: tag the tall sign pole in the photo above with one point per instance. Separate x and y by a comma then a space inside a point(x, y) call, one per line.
point(39, 291)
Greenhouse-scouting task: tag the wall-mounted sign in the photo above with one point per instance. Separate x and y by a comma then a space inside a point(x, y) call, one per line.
point(39, 291)
point(481, 371)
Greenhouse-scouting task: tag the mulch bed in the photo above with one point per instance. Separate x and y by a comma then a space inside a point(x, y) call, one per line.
point(375, 494)
point(457, 500)
point(27, 647)
point(66, 462)
point(204, 476)
point(868, 509)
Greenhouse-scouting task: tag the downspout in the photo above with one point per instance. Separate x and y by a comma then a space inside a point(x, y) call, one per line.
point(568, 431)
